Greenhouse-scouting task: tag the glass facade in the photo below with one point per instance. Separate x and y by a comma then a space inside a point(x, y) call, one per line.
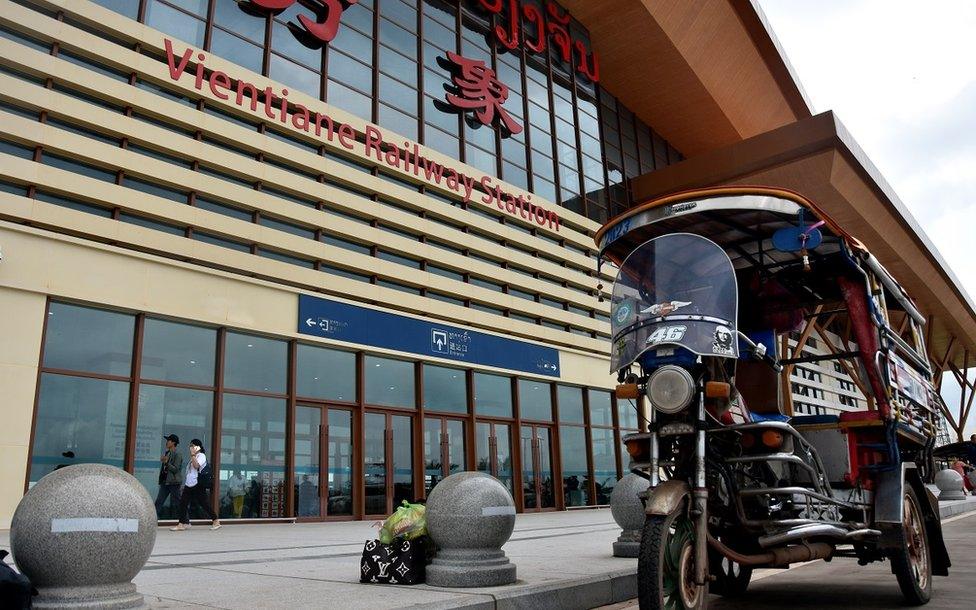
point(388, 64)
point(113, 384)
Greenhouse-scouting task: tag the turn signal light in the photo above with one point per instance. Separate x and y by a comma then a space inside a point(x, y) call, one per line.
point(638, 449)
point(772, 439)
point(717, 389)
point(748, 441)
point(628, 390)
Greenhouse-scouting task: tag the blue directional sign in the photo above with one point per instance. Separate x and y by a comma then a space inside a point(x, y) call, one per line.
point(354, 324)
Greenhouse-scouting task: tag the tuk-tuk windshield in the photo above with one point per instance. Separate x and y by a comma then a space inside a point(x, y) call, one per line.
point(676, 290)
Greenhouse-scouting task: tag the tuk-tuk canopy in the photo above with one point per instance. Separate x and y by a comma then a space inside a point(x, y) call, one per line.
point(674, 291)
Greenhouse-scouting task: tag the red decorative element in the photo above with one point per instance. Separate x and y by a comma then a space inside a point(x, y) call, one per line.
point(510, 39)
point(558, 31)
point(492, 6)
point(480, 90)
point(323, 30)
point(533, 14)
point(588, 66)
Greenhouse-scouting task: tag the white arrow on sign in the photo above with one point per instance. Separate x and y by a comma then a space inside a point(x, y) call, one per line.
point(311, 322)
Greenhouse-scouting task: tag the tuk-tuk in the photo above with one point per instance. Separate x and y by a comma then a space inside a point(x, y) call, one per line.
point(711, 287)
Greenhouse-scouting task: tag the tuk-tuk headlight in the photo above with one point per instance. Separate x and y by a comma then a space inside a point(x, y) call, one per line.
point(670, 388)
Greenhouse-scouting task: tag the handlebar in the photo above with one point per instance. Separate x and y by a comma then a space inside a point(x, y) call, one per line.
point(759, 352)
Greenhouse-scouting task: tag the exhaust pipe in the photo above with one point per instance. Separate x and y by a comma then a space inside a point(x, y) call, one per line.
point(808, 531)
point(783, 556)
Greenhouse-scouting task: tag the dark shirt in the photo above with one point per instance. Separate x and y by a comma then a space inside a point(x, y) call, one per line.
point(171, 472)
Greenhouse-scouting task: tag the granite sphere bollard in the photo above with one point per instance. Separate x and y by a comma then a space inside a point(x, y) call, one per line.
point(950, 484)
point(628, 511)
point(81, 534)
point(470, 515)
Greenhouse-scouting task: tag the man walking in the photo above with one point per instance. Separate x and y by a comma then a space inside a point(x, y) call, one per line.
point(170, 475)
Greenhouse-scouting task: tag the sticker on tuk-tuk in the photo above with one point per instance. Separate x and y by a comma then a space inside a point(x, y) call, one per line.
point(666, 334)
point(623, 312)
point(722, 343)
point(663, 309)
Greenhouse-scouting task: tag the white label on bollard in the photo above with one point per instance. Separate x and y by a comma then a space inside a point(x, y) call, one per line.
point(492, 511)
point(94, 524)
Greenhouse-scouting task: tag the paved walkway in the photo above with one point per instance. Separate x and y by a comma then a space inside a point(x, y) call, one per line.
point(564, 561)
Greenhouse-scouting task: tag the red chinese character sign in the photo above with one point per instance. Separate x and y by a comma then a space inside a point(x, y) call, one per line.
point(550, 26)
point(328, 13)
point(478, 89)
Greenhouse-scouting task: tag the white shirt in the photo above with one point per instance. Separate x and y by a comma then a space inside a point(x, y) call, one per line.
point(191, 472)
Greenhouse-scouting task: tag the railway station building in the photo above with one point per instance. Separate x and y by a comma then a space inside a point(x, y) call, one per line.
point(349, 244)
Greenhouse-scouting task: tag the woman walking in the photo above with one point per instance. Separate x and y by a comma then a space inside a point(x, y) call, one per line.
point(196, 487)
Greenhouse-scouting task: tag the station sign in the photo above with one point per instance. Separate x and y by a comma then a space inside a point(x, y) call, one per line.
point(350, 323)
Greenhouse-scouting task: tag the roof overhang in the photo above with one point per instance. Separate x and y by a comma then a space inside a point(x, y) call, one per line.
point(704, 74)
point(819, 159)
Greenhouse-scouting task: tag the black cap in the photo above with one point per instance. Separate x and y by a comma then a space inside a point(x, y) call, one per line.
point(174, 438)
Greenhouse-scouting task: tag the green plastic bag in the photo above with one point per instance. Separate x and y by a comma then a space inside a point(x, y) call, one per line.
point(409, 521)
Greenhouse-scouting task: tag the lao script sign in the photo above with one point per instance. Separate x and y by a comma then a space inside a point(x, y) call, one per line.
point(365, 326)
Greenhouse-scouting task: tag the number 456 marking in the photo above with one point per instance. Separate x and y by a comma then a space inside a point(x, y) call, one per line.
point(666, 334)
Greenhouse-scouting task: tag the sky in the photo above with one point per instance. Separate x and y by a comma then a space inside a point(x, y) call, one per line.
point(901, 76)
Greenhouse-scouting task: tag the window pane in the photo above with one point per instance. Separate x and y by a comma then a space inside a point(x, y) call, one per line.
point(237, 50)
point(445, 389)
point(326, 373)
point(535, 399)
point(570, 404)
point(389, 382)
point(163, 411)
point(86, 339)
point(255, 363)
point(492, 395)
point(600, 411)
point(627, 416)
point(126, 7)
point(604, 463)
point(252, 445)
point(178, 352)
point(231, 15)
point(572, 440)
point(84, 416)
point(175, 23)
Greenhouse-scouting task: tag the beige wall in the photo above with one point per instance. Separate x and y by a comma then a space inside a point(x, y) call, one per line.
point(37, 263)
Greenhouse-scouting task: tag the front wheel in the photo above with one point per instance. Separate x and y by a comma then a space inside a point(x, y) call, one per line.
point(666, 565)
point(912, 562)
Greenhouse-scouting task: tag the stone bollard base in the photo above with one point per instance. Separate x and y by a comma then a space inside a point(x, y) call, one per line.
point(470, 568)
point(951, 494)
point(628, 544)
point(102, 597)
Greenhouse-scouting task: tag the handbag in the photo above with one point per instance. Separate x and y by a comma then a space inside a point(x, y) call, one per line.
point(205, 476)
point(15, 589)
point(402, 562)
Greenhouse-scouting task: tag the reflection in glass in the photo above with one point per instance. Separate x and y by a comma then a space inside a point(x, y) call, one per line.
point(252, 448)
point(604, 463)
point(572, 440)
point(492, 395)
point(433, 449)
point(494, 452)
point(402, 460)
point(163, 411)
point(86, 417)
point(389, 382)
point(308, 434)
point(445, 389)
point(86, 339)
point(339, 455)
point(255, 363)
point(374, 456)
point(570, 404)
point(326, 373)
point(547, 497)
point(535, 399)
point(626, 413)
point(175, 23)
point(178, 352)
point(601, 413)
point(529, 466)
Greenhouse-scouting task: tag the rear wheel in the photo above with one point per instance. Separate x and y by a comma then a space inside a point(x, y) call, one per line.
point(666, 565)
point(912, 562)
point(731, 579)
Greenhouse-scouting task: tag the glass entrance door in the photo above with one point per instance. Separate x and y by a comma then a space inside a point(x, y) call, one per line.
point(537, 475)
point(323, 462)
point(494, 451)
point(388, 457)
point(443, 449)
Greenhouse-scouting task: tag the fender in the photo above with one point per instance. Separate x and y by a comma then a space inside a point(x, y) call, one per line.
point(889, 500)
point(666, 497)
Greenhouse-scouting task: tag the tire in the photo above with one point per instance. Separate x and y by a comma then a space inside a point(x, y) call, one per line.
point(666, 559)
point(912, 562)
point(730, 578)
